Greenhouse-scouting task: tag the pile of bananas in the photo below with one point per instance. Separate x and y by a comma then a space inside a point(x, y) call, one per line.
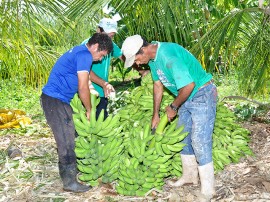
point(123, 148)
point(149, 158)
point(99, 145)
point(230, 140)
point(13, 119)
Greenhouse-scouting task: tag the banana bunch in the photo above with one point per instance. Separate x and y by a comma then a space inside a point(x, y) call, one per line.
point(136, 179)
point(176, 165)
point(100, 159)
point(149, 157)
point(96, 125)
point(99, 145)
point(230, 140)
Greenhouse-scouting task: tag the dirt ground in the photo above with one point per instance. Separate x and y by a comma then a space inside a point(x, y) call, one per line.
point(32, 176)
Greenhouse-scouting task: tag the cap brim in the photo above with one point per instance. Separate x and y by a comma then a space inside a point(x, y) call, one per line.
point(129, 61)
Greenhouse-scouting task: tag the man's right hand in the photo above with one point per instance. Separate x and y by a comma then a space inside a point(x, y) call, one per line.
point(88, 115)
point(155, 121)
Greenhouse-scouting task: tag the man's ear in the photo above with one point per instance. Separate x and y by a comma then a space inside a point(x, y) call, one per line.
point(95, 47)
point(141, 50)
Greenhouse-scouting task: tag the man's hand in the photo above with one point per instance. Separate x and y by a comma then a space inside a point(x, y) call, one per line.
point(155, 121)
point(170, 113)
point(107, 88)
point(88, 115)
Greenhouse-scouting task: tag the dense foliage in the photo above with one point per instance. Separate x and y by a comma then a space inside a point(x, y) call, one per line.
point(223, 34)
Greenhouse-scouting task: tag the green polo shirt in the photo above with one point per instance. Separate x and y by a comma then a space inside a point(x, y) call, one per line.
point(102, 68)
point(176, 67)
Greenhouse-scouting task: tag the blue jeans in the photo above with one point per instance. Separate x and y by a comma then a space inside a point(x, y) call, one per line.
point(198, 116)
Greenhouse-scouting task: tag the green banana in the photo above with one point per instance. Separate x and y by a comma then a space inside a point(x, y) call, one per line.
point(146, 131)
point(142, 149)
point(165, 149)
point(176, 147)
point(158, 137)
point(107, 121)
point(84, 119)
point(163, 122)
point(177, 132)
point(176, 166)
point(162, 159)
point(149, 152)
point(148, 185)
point(170, 128)
point(172, 141)
point(85, 177)
point(159, 149)
point(85, 144)
point(80, 153)
point(150, 179)
point(104, 132)
point(149, 138)
point(152, 157)
point(81, 132)
point(79, 124)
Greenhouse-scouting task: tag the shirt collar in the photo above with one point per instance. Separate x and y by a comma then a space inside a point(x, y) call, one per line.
point(158, 44)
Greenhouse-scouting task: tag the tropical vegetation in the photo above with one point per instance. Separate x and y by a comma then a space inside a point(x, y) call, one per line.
point(228, 36)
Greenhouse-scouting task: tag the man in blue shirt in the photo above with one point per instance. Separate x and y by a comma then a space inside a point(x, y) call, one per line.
point(195, 100)
point(70, 75)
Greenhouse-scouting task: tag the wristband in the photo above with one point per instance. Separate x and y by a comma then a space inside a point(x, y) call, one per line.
point(174, 108)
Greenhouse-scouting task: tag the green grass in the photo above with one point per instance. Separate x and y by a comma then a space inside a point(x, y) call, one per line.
point(14, 95)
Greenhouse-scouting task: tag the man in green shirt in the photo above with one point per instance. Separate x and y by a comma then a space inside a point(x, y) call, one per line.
point(99, 74)
point(195, 101)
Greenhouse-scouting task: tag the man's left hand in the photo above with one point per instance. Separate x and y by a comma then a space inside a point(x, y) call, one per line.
point(108, 88)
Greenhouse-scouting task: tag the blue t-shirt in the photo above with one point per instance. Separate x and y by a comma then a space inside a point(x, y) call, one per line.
point(176, 67)
point(101, 68)
point(63, 80)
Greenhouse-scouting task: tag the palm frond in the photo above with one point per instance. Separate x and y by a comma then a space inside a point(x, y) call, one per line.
point(25, 25)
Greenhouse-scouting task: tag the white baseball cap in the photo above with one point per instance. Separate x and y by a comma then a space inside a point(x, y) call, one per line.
point(108, 25)
point(130, 47)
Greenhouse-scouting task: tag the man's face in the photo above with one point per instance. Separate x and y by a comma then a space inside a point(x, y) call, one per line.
point(98, 55)
point(111, 34)
point(141, 58)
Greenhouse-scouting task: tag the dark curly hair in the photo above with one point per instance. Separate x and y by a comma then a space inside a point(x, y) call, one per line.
point(103, 40)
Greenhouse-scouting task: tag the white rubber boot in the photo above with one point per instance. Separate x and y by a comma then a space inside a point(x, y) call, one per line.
point(207, 179)
point(190, 172)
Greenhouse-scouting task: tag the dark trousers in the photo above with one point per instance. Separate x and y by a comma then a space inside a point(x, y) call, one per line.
point(102, 105)
point(59, 117)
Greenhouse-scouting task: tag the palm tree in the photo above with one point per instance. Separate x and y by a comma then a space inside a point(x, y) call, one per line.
point(242, 39)
point(27, 31)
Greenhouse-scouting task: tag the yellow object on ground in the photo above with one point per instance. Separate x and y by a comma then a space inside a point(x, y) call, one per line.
point(13, 119)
